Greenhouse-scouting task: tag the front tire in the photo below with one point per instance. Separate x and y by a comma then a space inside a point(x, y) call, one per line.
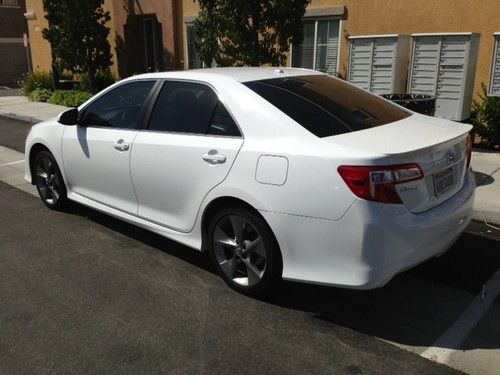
point(244, 251)
point(49, 181)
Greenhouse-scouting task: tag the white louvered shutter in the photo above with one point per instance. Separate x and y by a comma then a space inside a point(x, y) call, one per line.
point(494, 89)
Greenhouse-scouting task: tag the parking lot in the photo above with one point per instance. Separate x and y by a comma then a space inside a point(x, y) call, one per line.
point(83, 292)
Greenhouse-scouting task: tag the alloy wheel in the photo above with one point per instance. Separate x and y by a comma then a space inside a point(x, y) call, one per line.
point(47, 181)
point(239, 250)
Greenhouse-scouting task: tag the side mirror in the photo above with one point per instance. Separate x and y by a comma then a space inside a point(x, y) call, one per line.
point(69, 117)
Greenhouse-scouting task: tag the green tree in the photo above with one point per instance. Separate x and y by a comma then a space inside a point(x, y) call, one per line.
point(248, 32)
point(78, 36)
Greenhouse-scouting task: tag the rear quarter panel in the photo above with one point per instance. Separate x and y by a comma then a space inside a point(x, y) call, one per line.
point(313, 186)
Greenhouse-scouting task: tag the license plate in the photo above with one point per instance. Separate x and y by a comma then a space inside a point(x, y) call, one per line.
point(443, 181)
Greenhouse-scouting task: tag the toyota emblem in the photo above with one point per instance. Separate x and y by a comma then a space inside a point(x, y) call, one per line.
point(450, 157)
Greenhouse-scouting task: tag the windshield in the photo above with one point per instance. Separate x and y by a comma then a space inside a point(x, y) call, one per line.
point(327, 106)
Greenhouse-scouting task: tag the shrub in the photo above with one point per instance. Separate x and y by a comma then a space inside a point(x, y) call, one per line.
point(69, 98)
point(485, 118)
point(39, 95)
point(103, 79)
point(35, 80)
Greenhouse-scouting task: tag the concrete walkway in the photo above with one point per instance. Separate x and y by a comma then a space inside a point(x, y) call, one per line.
point(485, 164)
point(19, 107)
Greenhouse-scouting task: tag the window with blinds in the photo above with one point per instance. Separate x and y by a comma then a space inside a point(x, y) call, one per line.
point(194, 61)
point(494, 89)
point(319, 47)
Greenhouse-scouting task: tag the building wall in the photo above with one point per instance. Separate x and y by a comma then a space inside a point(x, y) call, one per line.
point(363, 17)
point(125, 36)
point(40, 48)
point(12, 51)
point(373, 17)
point(126, 42)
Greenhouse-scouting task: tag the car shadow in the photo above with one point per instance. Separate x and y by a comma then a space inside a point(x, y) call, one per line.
point(413, 309)
point(483, 179)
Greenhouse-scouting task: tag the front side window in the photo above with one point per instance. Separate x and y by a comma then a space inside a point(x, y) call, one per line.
point(119, 108)
point(188, 107)
point(327, 106)
point(319, 47)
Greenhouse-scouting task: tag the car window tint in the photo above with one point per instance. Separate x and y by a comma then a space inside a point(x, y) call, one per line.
point(183, 107)
point(120, 107)
point(222, 123)
point(326, 106)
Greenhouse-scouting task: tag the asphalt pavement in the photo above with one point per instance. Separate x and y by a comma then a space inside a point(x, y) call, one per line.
point(83, 292)
point(13, 133)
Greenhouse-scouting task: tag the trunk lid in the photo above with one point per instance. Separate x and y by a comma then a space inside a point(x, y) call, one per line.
point(437, 145)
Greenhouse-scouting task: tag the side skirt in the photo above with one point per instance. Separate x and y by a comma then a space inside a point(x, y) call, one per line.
point(183, 238)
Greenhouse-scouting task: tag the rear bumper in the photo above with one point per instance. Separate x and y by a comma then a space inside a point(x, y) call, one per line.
point(371, 243)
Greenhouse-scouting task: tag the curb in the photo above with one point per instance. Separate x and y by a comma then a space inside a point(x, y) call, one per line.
point(17, 116)
point(485, 216)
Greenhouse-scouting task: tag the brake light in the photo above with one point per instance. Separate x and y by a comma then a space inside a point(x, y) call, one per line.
point(468, 149)
point(377, 183)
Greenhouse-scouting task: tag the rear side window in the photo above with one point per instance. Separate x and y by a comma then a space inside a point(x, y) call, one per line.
point(326, 106)
point(222, 123)
point(187, 107)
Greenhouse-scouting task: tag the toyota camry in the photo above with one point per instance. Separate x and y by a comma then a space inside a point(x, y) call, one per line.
point(276, 172)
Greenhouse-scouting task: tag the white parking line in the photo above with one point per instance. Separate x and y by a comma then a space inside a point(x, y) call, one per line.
point(450, 341)
point(12, 163)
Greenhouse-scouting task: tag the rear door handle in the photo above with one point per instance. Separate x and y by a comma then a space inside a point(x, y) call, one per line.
point(213, 157)
point(120, 145)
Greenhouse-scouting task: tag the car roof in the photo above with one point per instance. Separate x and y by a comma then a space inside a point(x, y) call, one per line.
point(240, 74)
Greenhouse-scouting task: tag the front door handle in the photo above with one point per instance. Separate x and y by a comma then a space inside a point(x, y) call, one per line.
point(120, 145)
point(213, 157)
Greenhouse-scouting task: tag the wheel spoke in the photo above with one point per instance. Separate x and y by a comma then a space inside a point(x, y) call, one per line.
point(43, 192)
point(222, 238)
point(46, 165)
point(41, 175)
point(40, 172)
point(238, 224)
point(256, 247)
point(253, 273)
point(54, 192)
point(229, 266)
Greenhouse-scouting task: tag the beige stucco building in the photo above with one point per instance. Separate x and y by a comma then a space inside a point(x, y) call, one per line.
point(156, 35)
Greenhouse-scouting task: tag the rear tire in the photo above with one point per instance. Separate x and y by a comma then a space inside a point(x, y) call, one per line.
point(244, 251)
point(49, 182)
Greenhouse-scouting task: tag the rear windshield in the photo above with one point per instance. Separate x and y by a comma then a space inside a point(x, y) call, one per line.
point(326, 106)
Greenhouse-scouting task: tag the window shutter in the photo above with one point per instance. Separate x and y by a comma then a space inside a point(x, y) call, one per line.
point(327, 46)
point(494, 89)
point(303, 53)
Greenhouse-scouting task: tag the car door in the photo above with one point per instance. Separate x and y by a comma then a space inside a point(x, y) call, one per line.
point(188, 147)
point(96, 152)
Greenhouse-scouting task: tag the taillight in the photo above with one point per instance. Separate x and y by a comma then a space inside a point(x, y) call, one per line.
point(377, 183)
point(468, 149)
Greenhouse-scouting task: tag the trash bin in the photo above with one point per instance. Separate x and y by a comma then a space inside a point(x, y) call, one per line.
point(424, 104)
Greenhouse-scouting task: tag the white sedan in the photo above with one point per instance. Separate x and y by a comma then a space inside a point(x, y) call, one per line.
point(278, 173)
